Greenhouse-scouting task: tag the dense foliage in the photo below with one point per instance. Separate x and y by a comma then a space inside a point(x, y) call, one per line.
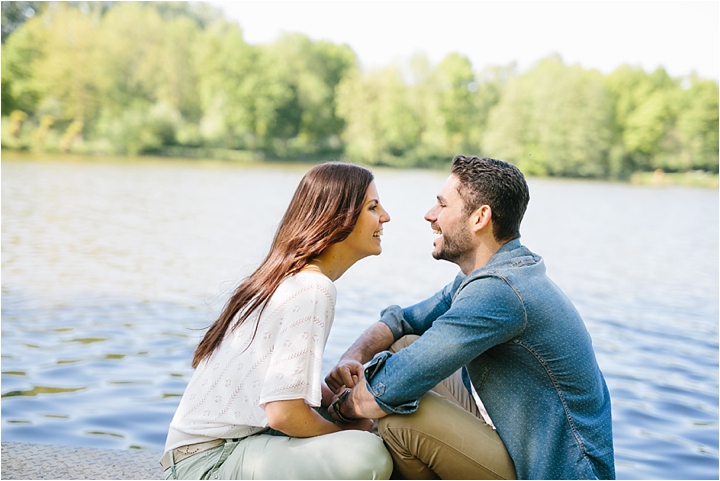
point(177, 78)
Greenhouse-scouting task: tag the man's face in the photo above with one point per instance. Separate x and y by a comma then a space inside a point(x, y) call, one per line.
point(448, 220)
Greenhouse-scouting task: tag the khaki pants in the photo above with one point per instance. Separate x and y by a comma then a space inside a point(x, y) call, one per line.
point(446, 437)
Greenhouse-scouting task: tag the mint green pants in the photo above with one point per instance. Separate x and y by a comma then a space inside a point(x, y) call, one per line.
point(341, 455)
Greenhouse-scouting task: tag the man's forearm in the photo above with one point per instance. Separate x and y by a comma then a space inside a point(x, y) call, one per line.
point(376, 338)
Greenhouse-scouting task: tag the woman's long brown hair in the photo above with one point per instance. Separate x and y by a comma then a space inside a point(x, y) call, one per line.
point(323, 211)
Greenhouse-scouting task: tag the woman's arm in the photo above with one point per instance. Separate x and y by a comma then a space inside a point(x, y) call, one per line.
point(296, 418)
point(327, 395)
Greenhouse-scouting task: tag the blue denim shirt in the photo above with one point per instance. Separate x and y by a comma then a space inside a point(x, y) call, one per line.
point(527, 353)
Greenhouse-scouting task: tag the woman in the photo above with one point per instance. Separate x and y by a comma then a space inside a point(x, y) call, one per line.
point(249, 409)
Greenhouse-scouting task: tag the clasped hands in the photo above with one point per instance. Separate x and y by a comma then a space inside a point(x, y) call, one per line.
point(344, 376)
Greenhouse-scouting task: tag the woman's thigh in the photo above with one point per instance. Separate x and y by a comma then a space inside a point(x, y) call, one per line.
point(342, 455)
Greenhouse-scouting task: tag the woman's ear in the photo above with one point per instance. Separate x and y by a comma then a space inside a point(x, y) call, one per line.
point(480, 218)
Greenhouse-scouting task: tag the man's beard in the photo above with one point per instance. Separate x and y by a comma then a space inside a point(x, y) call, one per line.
point(455, 247)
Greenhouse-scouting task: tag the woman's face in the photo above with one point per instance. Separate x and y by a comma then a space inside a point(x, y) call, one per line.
point(364, 240)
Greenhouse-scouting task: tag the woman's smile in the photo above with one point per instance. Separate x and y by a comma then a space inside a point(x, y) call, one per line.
point(371, 220)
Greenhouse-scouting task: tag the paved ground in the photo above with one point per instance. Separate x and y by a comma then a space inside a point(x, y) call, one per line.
point(40, 461)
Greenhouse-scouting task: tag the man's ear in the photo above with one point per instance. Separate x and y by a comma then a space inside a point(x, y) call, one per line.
point(480, 218)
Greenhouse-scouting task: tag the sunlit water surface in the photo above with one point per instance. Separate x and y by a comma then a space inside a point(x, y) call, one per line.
point(110, 272)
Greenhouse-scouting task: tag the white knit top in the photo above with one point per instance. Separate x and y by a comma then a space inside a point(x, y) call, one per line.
point(227, 392)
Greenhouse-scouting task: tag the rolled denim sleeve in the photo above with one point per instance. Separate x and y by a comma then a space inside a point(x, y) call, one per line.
point(483, 314)
point(378, 388)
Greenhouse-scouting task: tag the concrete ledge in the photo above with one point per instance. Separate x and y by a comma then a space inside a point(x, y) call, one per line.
point(41, 461)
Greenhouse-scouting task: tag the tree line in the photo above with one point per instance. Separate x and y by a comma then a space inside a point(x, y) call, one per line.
point(177, 78)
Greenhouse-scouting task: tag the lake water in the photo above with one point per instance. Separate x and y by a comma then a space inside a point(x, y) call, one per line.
point(110, 272)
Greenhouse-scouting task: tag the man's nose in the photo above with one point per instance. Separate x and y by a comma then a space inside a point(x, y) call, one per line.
point(430, 216)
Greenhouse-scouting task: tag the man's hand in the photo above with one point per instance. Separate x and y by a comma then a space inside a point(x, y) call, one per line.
point(345, 375)
point(357, 404)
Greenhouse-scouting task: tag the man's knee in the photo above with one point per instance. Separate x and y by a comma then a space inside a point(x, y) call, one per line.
point(446, 439)
point(430, 407)
point(403, 342)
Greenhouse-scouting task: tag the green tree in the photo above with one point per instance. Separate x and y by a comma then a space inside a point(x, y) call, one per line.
point(313, 71)
point(382, 126)
point(645, 112)
point(458, 112)
point(224, 63)
point(241, 90)
point(491, 83)
point(201, 14)
point(264, 93)
point(15, 14)
point(452, 105)
point(21, 88)
point(697, 125)
point(649, 123)
point(431, 147)
point(553, 120)
point(177, 77)
point(68, 69)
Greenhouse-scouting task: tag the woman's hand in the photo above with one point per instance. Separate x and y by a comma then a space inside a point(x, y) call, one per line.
point(345, 375)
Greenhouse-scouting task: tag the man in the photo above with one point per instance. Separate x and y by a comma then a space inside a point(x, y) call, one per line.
point(512, 334)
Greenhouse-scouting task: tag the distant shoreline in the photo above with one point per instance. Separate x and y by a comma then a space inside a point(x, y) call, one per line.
point(657, 178)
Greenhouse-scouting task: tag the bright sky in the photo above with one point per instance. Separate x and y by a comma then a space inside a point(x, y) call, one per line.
point(681, 36)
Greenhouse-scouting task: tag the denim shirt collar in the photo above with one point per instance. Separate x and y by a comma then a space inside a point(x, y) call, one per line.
point(512, 252)
point(505, 252)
